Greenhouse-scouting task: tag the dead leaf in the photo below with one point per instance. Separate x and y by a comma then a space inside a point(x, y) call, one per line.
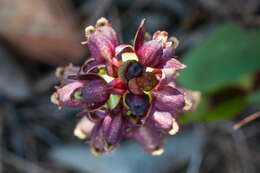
point(43, 30)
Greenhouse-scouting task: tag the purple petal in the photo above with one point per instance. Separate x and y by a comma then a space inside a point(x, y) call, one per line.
point(123, 69)
point(168, 53)
point(139, 36)
point(110, 33)
point(114, 132)
point(168, 99)
point(95, 89)
point(175, 64)
point(149, 53)
point(65, 94)
point(101, 47)
point(168, 77)
point(105, 28)
point(166, 56)
point(97, 138)
point(161, 121)
point(148, 138)
point(169, 71)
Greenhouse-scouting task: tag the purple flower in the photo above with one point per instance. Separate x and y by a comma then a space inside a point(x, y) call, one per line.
point(125, 92)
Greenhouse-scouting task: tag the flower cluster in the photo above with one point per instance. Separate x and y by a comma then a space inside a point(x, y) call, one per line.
point(125, 91)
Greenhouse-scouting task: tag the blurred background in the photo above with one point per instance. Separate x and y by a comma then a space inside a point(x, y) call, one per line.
point(219, 42)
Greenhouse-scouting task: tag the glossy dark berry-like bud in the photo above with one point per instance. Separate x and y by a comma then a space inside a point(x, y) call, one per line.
point(138, 104)
point(134, 70)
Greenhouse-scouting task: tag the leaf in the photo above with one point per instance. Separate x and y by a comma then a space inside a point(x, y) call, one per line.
point(221, 59)
point(254, 97)
point(222, 111)
point(227, 109)
point(43, 30)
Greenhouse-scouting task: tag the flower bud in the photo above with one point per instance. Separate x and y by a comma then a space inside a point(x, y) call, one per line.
point(138, 104)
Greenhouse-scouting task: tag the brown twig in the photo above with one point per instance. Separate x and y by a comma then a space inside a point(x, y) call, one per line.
point(242, 148)
point(246, 120)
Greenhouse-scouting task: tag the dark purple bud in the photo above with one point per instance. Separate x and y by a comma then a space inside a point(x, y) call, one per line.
point(101, 47)
point(134, 70)
point(168, 99)
point(122, 70)
point(95, 90)
point(129, 70)
point(105, 28)
point(138, 104)
point(149, 53)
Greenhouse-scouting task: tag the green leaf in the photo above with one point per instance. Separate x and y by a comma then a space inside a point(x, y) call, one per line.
point(227, 109)
point(254, 97)
point(113, 101)
point(222, 59)
point(222, 111)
